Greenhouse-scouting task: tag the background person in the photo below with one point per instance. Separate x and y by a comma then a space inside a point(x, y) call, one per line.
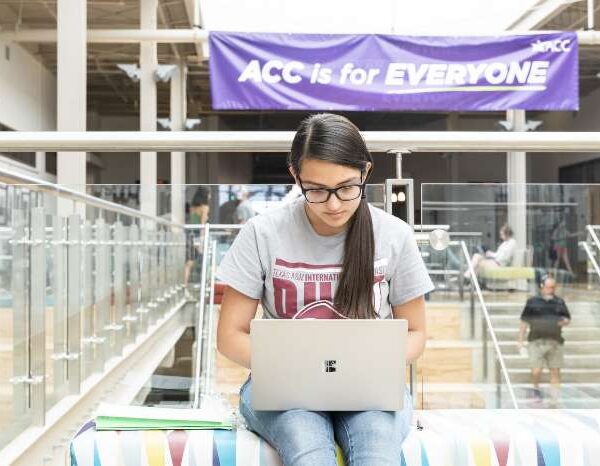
point(244, 210)
point(502, 257)
point(198, 215)
point(330, 246)
point(545, 315)
point(559, 238)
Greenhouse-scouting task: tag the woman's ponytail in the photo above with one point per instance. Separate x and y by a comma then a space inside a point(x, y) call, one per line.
point(354, 295)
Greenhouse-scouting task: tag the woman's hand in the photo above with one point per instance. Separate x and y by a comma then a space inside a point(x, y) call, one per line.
point(233, 331)
point(414, 312)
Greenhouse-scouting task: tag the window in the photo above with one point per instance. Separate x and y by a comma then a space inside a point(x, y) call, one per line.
point(51, 163)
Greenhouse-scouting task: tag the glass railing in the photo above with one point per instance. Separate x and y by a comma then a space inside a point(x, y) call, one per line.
point(226, 203)
point(80, 279)
point(548, 224)
point(84, 275)
point(462, 366)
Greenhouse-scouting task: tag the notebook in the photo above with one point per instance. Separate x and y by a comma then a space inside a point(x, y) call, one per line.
point(117, 417)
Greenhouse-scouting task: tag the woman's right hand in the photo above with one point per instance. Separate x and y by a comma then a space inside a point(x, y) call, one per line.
point(233, 331)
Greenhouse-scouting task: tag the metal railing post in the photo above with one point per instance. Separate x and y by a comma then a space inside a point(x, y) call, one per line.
point(156, 274)
point(211, 320)
point(19, 282)
point(73, 354)
point(134, 281)
point(461, 278)
point(102, 295)
point(200, 320)
point(144, 309)
point(119, 323)
point(59, 328)
point(37, 322)
point(160, 275)
point(472, 308)
point(87, 340)
point(484, 348)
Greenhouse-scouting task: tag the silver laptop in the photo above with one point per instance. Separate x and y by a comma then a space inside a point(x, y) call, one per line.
point(328, 365)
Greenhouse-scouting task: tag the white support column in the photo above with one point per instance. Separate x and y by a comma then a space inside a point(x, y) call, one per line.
point(148, 107)
point(211, 166)
point(71, 88)
point(516, 174)
point(178, 117)
point(452, 124)
point(40, 163)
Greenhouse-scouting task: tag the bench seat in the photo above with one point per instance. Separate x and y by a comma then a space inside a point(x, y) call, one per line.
point(447, 438)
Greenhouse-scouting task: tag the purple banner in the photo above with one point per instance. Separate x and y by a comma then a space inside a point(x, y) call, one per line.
point(256, 71)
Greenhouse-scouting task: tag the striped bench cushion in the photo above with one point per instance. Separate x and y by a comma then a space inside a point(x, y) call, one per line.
point(448, 438)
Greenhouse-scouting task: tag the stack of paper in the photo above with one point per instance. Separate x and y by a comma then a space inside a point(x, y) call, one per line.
point(115, 417)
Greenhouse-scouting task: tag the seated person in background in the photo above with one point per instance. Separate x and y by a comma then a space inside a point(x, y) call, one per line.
point(503, 257)
point(545, 315)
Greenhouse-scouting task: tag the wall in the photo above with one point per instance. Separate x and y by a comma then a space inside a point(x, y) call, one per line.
point(544, 168)
point(117, 167)
point(27, 99)
point(27, 92)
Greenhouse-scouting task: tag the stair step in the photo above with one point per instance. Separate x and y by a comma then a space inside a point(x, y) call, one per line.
point(515, 308)
point(578, 321)
point(575, 347)
point(568, 374)
point(569, 333)
point(574, 361)
point(446, 363)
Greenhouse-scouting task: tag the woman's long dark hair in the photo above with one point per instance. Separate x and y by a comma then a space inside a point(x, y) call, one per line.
point(334, 139)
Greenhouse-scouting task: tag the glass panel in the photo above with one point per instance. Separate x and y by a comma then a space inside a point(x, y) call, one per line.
point(547, 228)
point(14, 350)
point(460, 366)
point(56, 307)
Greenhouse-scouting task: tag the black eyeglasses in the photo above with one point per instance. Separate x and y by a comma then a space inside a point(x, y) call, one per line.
point(347, 192)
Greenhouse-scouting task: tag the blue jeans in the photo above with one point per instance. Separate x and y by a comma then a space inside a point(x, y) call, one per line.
point(308, 438)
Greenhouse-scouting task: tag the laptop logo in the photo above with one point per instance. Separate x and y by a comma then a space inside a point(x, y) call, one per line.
point(330, 365)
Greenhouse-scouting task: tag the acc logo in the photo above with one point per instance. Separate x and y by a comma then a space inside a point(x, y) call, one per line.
point(557, 45)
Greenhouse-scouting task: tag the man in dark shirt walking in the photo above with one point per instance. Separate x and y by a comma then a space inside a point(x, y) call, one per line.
point(545, 315)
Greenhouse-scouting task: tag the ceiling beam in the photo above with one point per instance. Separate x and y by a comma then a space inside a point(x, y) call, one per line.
point(192, 9)
point(184, 36)
point(539, 14)
point(112, 36)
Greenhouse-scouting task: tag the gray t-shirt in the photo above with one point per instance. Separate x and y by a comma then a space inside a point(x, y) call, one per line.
point(278, 258)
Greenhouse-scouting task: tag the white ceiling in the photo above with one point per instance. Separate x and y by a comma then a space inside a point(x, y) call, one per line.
point(432, 17)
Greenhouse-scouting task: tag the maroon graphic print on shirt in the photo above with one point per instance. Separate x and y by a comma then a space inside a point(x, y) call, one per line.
point(297, 285)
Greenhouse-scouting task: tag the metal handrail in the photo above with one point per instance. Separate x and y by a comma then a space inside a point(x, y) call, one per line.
point(36, 184)
point(592, 232)
point(200, 321)
point(390, 142)
point(213, 226)
point(211, 322)
point(490, 328)
point(590, 254)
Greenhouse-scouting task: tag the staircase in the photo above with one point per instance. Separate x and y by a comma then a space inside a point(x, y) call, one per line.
point(580, 375)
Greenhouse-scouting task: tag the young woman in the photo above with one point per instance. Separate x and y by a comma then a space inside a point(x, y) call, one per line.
point(326, 254)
